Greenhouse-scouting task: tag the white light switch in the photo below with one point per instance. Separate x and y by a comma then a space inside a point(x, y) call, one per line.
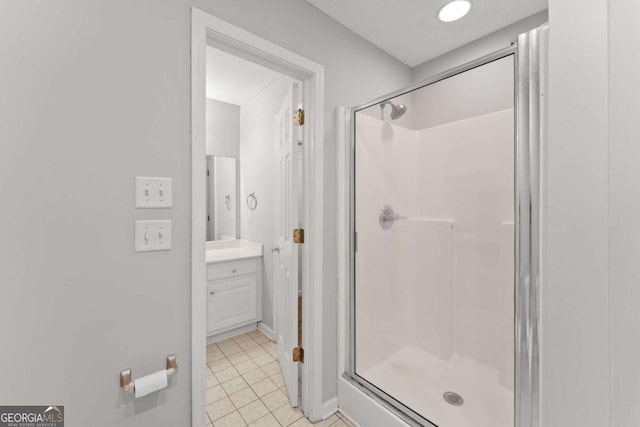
point(153, 192)
point(153, 235)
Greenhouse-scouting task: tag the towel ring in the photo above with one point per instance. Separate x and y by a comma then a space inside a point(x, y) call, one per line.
point(252, 201)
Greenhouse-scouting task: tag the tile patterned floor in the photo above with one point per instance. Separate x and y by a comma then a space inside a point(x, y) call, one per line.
point(245, 386)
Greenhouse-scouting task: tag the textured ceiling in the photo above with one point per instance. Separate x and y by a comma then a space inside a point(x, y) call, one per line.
point(410, 31)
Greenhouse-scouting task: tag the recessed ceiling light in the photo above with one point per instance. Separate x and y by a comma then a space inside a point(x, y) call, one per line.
point(454, 10)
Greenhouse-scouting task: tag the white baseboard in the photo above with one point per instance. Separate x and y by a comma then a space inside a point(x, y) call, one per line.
point(329, 408)
point(351, 420)
point(231, 333)
point(266, 330)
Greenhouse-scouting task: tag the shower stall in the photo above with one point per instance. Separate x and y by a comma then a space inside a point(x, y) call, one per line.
point(444, 222)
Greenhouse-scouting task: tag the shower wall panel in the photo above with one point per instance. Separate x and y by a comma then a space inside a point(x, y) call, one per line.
point(435, 291)
point(467, 175)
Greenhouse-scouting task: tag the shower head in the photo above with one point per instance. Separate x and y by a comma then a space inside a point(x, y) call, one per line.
point(397, 110)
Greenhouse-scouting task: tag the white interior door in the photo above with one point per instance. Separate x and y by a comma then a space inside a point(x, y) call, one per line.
point(286, 256)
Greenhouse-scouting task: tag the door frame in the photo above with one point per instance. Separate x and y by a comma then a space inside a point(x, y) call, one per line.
point(208, 30)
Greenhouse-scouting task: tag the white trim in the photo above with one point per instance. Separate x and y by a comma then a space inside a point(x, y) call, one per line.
point(274, 259)
point(198, 223)
point(267, 331)
point(312, 253)
point(232, 333)
point(343, 154)
point(329, 408)
point(351, 420)
point(207, 29)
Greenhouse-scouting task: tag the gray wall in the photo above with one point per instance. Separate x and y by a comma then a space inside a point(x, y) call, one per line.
point(223, 129)
point(483, 46)
point(624, 209)
point(575, 301)
point(96, 93)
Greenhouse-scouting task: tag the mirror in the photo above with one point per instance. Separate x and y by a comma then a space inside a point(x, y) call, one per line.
point(222, 200)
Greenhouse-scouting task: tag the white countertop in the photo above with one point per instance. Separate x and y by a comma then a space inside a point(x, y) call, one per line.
point(232, 250)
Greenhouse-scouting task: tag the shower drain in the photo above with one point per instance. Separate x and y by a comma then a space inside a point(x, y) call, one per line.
point(453, 398)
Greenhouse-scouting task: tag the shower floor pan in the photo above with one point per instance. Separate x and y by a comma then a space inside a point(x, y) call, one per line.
point(419, 380)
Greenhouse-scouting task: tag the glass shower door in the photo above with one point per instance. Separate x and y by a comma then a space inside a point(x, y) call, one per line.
point(433, 279)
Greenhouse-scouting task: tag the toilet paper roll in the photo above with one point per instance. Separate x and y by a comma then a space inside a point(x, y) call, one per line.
point(150, 383)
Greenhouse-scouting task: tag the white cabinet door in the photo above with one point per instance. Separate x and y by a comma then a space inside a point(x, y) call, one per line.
point(231, 302)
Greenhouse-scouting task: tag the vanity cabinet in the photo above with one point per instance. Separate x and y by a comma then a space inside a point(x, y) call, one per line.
point(234, 292)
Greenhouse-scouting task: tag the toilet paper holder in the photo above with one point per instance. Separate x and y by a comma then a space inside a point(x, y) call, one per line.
point(126, 377)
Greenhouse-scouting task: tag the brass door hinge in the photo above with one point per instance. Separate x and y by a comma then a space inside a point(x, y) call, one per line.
point(298, 351)
point(298, 117)
point(298, 235)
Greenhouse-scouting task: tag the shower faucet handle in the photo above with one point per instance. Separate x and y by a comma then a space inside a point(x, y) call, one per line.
point(387, 217)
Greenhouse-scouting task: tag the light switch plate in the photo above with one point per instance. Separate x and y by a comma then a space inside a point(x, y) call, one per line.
point(153, 235)
point(153, 192)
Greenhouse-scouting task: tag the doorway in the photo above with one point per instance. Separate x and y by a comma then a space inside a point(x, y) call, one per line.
point(288, 187)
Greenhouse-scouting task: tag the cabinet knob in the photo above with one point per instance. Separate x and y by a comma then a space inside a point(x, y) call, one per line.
point(233, 270)
point(212, 292)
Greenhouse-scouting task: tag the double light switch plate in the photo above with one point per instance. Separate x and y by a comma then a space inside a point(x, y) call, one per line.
point(153, 235)
point(153, 192)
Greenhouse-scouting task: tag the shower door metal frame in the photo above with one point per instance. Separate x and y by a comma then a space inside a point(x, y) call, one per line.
point(526, 352)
